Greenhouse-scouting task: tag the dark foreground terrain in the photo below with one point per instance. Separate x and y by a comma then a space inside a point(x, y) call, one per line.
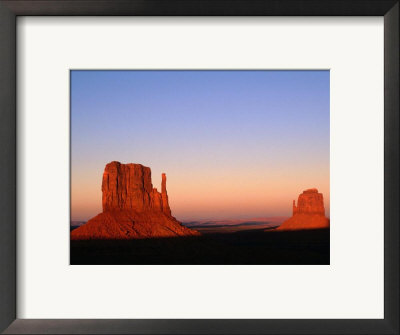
point(251, 247)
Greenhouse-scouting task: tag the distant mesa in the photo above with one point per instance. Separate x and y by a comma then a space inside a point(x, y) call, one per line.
point(132, 208)
point(309, 212)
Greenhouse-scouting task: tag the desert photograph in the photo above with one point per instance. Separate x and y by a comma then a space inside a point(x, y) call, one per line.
point(199, 167)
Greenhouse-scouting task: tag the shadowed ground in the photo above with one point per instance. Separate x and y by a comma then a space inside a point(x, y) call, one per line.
point(252, 247)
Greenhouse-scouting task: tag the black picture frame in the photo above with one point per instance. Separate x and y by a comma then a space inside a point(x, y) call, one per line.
point(10, 10)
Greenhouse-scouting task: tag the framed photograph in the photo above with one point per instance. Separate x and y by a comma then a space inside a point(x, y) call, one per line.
point(199, 167)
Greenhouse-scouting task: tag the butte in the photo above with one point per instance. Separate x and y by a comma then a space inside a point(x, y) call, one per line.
point(132, 208)
point(309, 212)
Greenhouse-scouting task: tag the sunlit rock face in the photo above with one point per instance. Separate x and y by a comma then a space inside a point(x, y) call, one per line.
point(309, 202)
point(309, 212)
point(132, 208)
point(128, 186)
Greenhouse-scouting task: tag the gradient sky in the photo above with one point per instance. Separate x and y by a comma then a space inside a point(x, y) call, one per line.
point(234, 144)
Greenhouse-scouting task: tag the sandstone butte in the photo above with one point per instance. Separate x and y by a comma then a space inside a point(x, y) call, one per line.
point(132, 208)
point(309, 212)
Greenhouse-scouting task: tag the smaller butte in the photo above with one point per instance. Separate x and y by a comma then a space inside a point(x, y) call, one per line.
point(309, 212)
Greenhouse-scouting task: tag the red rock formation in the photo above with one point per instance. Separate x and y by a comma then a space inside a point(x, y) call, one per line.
point(309, 212)
point(126, 186)
point(132, 208)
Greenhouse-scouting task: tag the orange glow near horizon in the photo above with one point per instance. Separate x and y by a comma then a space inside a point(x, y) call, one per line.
point(217, 195)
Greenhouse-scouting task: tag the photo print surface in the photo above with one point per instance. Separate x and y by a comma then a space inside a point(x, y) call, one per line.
point(199, 167)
